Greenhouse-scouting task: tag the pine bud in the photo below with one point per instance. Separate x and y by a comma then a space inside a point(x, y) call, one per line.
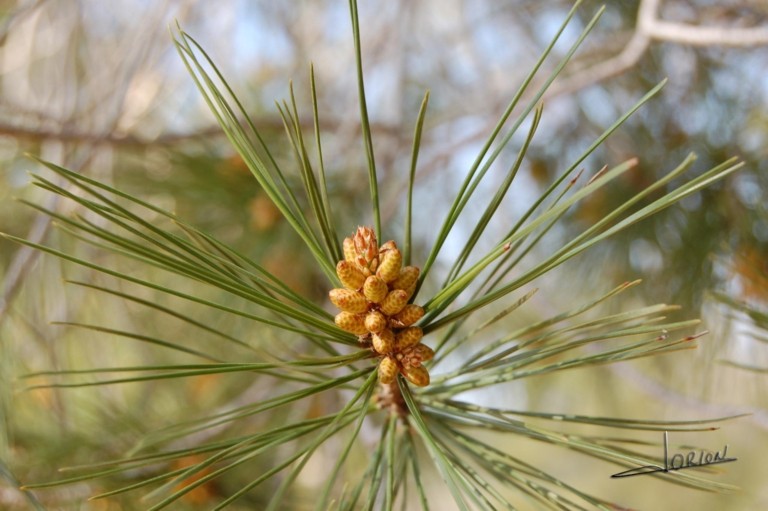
point(375, 322)
point(367, 248)
point(387, 370)
point(393, 302)
point(419, 376)
point(410, 314)
point(408, 337)
point(350, 275)
point(352, 323)
point(384, 341)
point(375, 289)
point(374, 305)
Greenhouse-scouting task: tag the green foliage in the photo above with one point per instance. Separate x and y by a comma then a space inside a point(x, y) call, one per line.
point(319, 385)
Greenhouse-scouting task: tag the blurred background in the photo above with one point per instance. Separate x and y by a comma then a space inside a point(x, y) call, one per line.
point(98, 88)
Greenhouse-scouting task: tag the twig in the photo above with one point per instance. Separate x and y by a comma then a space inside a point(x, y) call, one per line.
point(650, 28)
point(163, 140)
point(694, 35)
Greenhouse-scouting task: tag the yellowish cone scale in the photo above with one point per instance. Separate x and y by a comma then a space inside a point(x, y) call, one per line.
point(375, 322)
point(389, 245)
point(348, 300)
point(406, 278)
point(410, 314)
point(350, 254)
point(352, 323)
point(375, 289)
point(389, 265)
point(387, 370)
point(350, 275)
point(394, 302)
point(419, 376)
point(408, 337)
point(384, 341)
point(409, 292)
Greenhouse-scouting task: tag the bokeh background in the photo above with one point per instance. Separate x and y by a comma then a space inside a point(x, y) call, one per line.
point(98, 88)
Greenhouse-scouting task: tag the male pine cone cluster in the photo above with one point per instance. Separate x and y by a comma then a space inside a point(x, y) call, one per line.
point(374, 306)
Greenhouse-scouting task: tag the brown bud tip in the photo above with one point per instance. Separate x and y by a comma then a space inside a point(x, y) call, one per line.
point(348, 300)
point(367, 247)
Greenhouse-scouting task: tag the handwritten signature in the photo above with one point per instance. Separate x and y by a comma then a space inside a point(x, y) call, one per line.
point(679, 461)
